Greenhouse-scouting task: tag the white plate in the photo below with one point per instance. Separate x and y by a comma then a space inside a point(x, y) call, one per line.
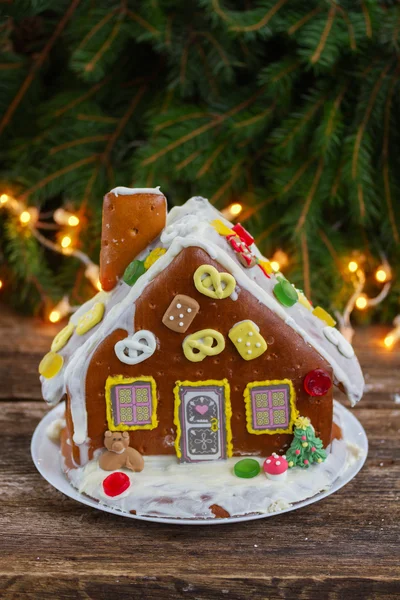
point(46, 456)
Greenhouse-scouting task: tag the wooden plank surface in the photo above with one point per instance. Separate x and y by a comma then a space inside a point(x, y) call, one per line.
point(345, 547)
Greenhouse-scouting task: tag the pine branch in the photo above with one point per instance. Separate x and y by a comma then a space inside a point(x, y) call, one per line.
point(361, 129)
point(202, 129)
point(307, 17)
point(37, 65)
point(385, 156)
point(306, 265)
point(310, 197)
point(262, 22)
point(57, 174)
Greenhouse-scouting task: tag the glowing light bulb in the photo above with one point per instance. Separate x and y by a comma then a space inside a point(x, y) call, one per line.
point(235, 209)
point(381, 275)
point(25, 217)
point(275, 265)
point(361, 302)
point(66, 241)
point(98, 285)
point(389, 341)
point(3, 198)
point(73, 221)
point(1, 284)
point(54, 316)
point(352, 266)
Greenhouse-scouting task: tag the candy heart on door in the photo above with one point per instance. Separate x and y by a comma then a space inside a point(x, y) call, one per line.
point(201, 409)
point(136, 348)
point(212, 283)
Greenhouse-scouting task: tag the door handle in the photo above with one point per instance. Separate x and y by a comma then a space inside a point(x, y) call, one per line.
point(214, 424)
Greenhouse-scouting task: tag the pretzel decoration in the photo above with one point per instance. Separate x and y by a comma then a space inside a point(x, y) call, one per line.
point(200, 344)
point(136, 348)
point(212, 283)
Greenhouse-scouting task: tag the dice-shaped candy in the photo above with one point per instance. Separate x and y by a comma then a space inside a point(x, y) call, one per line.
point(180, 313)
point(248, 340)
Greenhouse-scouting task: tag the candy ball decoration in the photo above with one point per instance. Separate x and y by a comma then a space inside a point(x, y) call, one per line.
point(317, 382)
point(276, 467)
point(247, 468)
point(115, 484)
point(285, 293)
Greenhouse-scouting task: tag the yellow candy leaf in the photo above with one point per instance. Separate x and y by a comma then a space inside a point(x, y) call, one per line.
point(304, 301)
point(50, 365)
point(221, 228)
point(62, 337)
point(266, 265)
point(153, 257)
point(90, 318)
point(324, 316)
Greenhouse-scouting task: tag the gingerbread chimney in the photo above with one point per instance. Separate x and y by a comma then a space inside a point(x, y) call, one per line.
point(132, 218)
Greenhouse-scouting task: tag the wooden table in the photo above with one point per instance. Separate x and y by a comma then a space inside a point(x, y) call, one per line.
point(345, 547)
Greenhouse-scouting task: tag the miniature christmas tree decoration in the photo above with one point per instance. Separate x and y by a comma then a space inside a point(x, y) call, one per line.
point(305, 448)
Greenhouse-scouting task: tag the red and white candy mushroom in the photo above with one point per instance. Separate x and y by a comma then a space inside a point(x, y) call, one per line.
point(276, 467)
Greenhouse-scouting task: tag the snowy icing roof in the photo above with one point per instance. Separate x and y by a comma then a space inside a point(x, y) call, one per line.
point(190, 226)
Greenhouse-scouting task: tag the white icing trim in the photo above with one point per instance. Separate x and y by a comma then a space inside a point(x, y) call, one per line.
point(337, 339)
point(192, 488)
point(137, 350)
point(125, 191)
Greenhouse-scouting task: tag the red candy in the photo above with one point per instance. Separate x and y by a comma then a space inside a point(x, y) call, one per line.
point(313, 449)
point(305, 461)
point(237, 244)
point(116, 483)
point(304, 437)
point(317, 382)
point(244, 235)
point(297, 452)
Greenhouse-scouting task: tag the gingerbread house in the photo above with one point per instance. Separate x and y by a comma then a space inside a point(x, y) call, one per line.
point(194, 345)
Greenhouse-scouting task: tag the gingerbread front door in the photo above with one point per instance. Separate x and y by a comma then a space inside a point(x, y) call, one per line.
point(202, 419)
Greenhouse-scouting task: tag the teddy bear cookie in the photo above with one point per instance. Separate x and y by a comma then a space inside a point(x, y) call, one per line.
point(118, 454)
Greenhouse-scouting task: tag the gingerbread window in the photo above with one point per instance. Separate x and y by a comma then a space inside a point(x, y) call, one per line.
point(270, 406)
point(131, 403)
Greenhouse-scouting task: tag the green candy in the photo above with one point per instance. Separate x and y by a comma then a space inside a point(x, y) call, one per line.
point(285, 293)
point(247, 468)
point(133, 271)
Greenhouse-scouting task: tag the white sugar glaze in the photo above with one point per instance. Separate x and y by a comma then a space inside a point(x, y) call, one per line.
point(168, 489)
point(187, 226)
point(125, 191)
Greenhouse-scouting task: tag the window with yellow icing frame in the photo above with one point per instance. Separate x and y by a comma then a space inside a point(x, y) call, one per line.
point(270, 406)
point(131, 403)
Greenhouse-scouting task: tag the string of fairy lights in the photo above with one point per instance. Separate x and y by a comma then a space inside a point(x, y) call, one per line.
point(68, 226)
